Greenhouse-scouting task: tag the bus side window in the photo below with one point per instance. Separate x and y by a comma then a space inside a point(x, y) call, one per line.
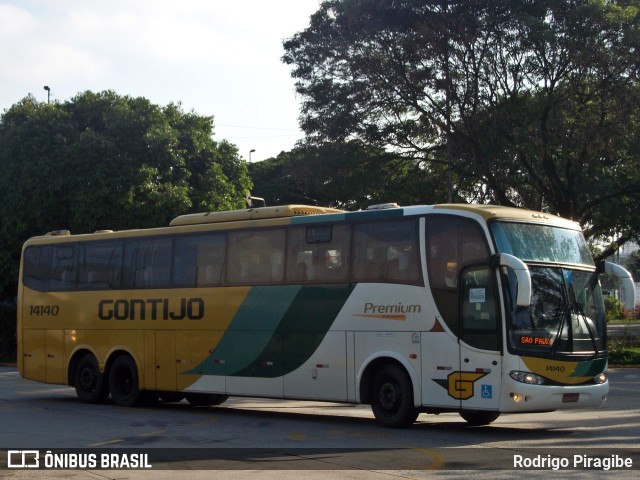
point(99, 265)
point(334, 256)
point(63, 268)
point(256, 257)
point(147, 263)
point(318, 254)
point(451, 243)
point(300, 257)
point(199, 260)
point(387, 252)
point(37, 266)
point(211, 259)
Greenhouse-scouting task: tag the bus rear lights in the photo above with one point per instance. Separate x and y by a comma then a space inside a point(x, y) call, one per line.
point(600, 378)
point(518, 397)
point(527, 377)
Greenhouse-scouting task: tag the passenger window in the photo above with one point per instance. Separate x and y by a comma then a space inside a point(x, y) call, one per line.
point(37, 267)
point(387, 252)
point(318, 254)
point(452, 243)
point(256, 257)
point(63, 268)
point(199, 260)
point(100, 265)
point(148, 262)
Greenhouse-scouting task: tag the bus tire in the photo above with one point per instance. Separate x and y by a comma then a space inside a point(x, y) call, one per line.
point(206, 399)
point(477, 418)
point(123, 382)
point(392, 397)
point(90, 384)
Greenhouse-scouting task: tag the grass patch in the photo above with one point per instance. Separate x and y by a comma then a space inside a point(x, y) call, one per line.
point(620, 321)
point(624, 356)
point(624, 349)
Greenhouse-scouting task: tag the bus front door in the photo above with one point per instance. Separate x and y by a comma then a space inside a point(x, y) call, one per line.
point(479, 378)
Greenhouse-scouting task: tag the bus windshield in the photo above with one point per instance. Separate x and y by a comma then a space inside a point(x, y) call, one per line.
point(541, 243)
point(566, 315)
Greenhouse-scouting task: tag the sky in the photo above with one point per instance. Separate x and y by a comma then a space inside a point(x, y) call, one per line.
point(217, 58)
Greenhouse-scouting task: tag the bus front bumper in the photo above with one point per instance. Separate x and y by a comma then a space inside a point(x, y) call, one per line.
point(521, 397)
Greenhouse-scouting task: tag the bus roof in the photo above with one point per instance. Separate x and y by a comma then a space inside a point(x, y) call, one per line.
point(489, 212)
point(303, 214)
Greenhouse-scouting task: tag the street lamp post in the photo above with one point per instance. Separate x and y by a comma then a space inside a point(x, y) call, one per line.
point(46, 87)
point(250, 152)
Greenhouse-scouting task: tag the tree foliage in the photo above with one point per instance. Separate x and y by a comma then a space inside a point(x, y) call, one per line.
point(104, 161)
point(344, 175)
point(533, 104)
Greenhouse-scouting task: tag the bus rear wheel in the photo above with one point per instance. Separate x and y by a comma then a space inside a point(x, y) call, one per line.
point(90, 384)
point(477, 418)
point(392, 397)
point(123, 382)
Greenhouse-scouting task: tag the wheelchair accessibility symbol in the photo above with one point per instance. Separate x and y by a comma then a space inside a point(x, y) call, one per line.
point(487, 391)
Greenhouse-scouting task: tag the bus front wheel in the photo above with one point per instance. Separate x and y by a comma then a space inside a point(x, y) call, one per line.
point(123, 382)
point(392, 397)
point(478, 417)
point(90, 383)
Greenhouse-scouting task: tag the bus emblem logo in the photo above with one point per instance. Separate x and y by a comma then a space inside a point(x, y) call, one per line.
point(459, 385)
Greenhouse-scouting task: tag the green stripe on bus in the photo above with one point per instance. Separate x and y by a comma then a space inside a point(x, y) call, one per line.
point(275, 330)
point(590, 368)
point(302, 329)
point(250, 330)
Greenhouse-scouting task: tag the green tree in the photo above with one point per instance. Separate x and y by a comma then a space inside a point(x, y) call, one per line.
point(532, 104)
point(104, 161)
point(344, 175)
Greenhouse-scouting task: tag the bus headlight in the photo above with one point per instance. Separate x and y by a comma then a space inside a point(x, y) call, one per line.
point(518, 397)
point(600, 378)
point(527, 377)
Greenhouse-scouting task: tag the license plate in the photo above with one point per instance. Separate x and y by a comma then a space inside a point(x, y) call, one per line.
point(570, 397)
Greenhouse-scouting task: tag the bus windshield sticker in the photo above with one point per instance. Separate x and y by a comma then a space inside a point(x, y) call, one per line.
point(477, 295)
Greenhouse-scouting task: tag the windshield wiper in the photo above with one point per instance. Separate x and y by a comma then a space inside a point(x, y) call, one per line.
point(563, 312)
point(583, 318)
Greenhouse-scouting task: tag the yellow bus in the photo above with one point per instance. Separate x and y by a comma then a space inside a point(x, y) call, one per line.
point(448, 308)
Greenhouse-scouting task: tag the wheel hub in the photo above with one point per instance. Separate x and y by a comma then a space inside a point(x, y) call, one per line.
point(87, 379)
point(389, 396)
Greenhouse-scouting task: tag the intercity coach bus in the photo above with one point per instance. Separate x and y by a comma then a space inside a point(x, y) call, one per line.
point(479, 310)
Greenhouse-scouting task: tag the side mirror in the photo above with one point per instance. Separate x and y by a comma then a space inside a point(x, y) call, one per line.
point(523, 297)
